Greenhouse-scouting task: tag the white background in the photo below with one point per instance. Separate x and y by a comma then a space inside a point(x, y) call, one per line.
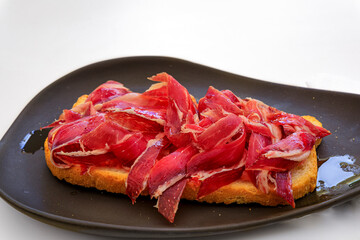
point(305, 43)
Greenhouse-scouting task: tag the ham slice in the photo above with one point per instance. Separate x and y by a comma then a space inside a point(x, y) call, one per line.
point(298, 123)
point(107, 91)
point(285, 154)
point(130, 148)
point(98, 147)
point(181, 110)
point(140, 104)
point(259, 178)
point(257, 143)
point(220, 132)
point(133, 122)
point(168, 202)
point(64, 133)
point(76, 113)
point(140, 170)
point(283, 187)
point(213, 158)
point(233, 98)
point(169, 170)
point(157, 90)
point(103, 136)
point(256, 110)
point(215, 99)
point(218, 180)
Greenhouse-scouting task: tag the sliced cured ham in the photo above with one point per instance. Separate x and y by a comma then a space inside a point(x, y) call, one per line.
point(133, 122)
point(163, 139)
point(259, 178)
point(218, 180)
point(169, 170)
point(258, 111)
point(298, 123)
point(103, 136)
point(168, 202)
point(285, 154)
point(147, 106)
point(235, 99)
point(77, 112)
point(99, 147)
point(283, 187)
point(130, 148)
point(64, 133)
point(214, 99)
point(107, 91)
point(181, 110)
point(213, 157)
point(157, 90)
point(220, 132)
point(140, 170)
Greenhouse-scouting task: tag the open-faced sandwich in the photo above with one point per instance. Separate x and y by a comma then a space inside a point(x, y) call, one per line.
point(162, 143)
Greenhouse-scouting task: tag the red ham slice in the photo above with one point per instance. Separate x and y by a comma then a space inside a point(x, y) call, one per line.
point(259, 178)
point(97, 147)
point(285, 154)
point(76, 113)
point(129, 149)
point(105, 135)
point(181, 110)
point(257, 110)
point(64, 133)
point(148, 106)
point(140, 170)
point(70, 116)
point(294, 147)
point(256, 115)
point(107, 91)
point(79, 111)
point(169, 170)
point(283, 187)
point(87, 159)
point(218, 180)
point(134, 122)
point(224, 155)
point(235, 99)
point(168, 202)
point(157, 90)
point(215, 99)
point(298, 123)
point(220, 132)
point(257, 143)
point(209, 116)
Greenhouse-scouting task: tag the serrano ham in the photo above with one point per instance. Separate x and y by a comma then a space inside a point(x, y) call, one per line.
point(106, 92)
point(165, 142)
point(181, 110)
point(168, 202)
point(140, 170)
point(169, 170)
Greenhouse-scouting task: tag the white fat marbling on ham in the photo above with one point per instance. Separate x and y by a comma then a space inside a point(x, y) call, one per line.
point(294, 155)
point(83, 154)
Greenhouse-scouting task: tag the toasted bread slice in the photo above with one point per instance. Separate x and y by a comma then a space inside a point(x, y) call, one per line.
point(113, 180)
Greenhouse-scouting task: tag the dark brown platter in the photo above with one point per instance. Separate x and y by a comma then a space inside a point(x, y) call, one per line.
point(27, 184)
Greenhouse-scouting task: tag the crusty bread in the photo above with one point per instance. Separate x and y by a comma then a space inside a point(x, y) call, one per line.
point(113, 180)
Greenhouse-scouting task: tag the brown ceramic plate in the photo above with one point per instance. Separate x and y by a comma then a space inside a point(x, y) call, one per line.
point(27, 184)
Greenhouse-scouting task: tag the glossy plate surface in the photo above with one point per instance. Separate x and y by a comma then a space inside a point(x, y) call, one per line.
point(27, 184)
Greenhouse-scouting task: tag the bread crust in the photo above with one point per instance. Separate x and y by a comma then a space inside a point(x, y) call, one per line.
point(113, 180)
